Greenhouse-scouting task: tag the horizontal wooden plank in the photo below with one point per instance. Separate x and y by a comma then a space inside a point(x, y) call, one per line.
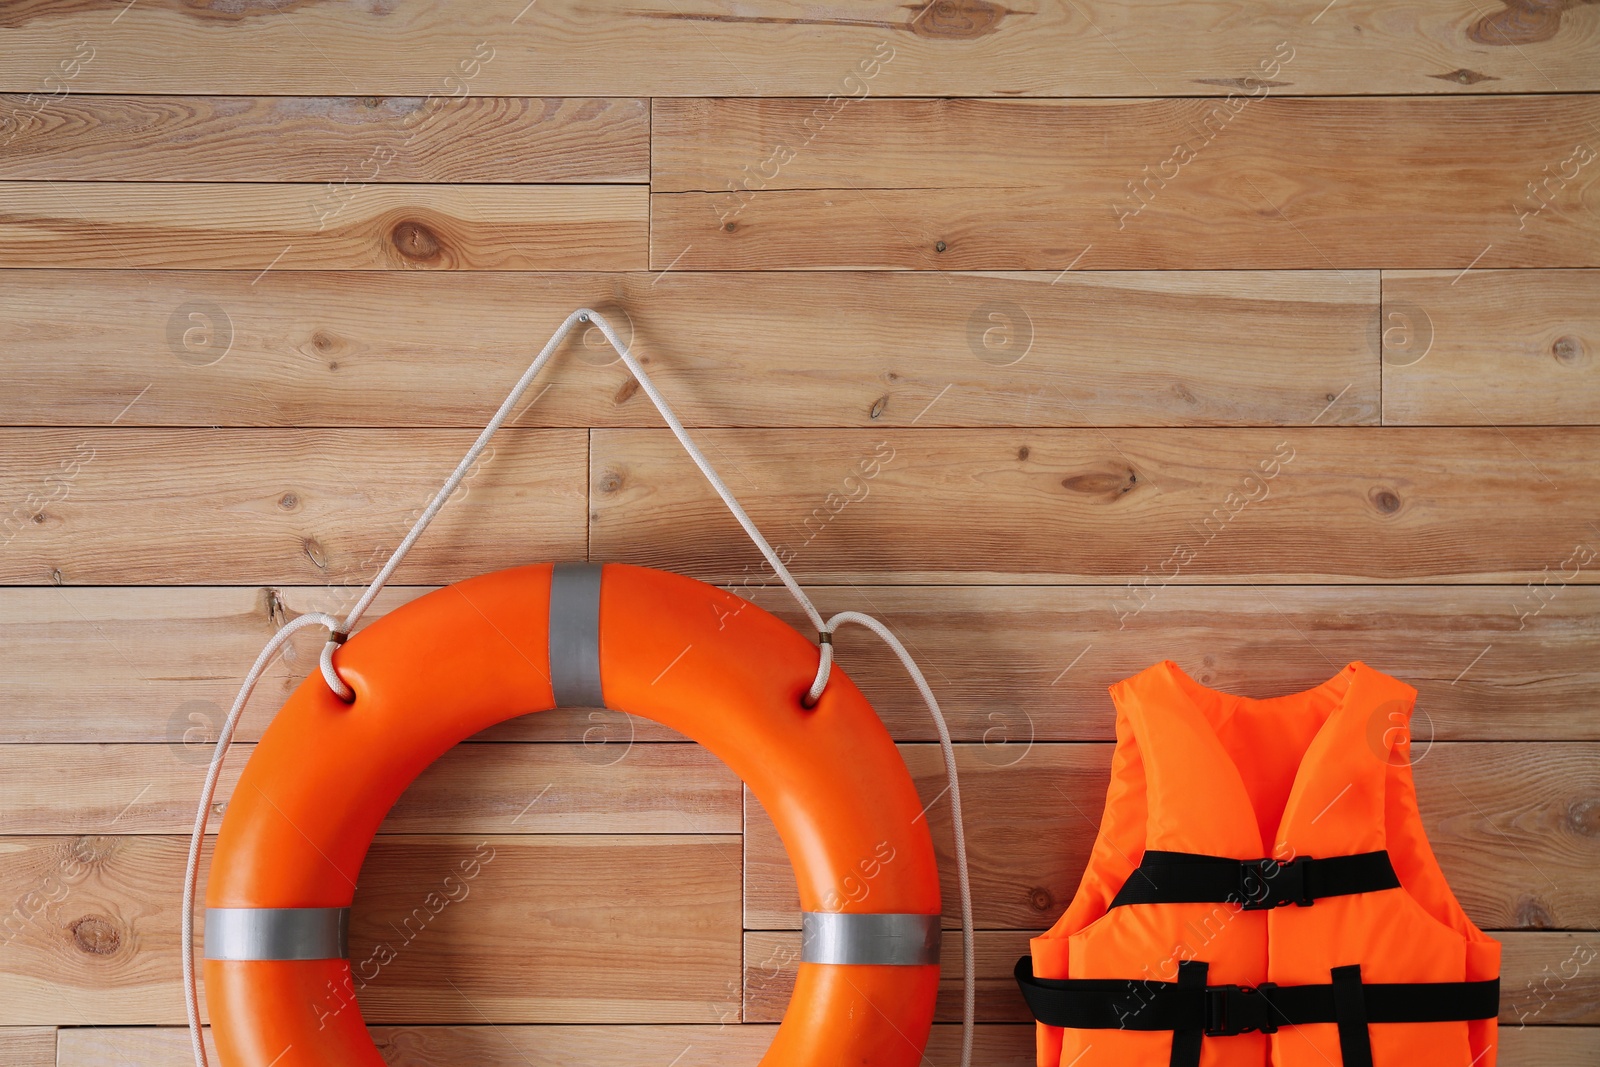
point(258, 227)
point(1254, 182)
point(1334, 504)
point(1502, 347)
point(1510, 823)
point(129, 665)
point(1548, 1046)
point(112, 506)
point(563, 898)
point(1548, 979)
point(474, 789)
point(347, 142)
point(546, 932)
point(771, 958)
point(1011, 664)
point(666, 48)
point(26, 1046)
point(774, 349)
point(994, 1045)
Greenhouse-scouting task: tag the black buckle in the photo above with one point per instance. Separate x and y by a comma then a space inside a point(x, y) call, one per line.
point(1267, 884)
point(1236, 1009)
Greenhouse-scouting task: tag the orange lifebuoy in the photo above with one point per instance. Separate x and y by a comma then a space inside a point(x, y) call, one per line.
point(462, 658)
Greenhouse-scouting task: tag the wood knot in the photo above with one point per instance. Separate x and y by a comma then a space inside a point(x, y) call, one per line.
point(625, 391)
point(234, 10)
point(1108, 484)
point(730, 226)
point(95, 935)
point(1532, 914)
point(1567, 349)
point(1385, 500)
point(323, 342)
point(288, 502)
point(1583, 816)
point(878, 406)
point(415, 241)
point(1024, 452)
point(957, 20)
point(610, 482)
point(1520, 22)
point(315, 553)
point(1465, 77)
point(1041, 899)
point(1248, 84)
point(272, 603)
point(92, 851)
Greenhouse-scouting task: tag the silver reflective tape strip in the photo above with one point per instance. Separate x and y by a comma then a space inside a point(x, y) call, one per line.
point(899, 940)
point(277, 933)
point(575, 635)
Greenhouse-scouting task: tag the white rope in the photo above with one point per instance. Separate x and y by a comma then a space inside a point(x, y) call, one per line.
point(208, 793)
point(506, 407)
point(969, 977)
point(340, 630)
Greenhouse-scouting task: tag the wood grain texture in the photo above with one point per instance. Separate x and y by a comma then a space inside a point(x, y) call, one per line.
point(994, 1045)
point(1024, 185)
point(1549, 980)
point(776, 349)
point(1014, 664)
point(771, 958)
point(1061, 337)
point(1548, 1046)
point(706, 48)
point(1011, 664)
point(178, 506)
point(340, 140)
point(257, 227)
point(473, 789)
point(1148, 506)
point(1513, 826)
point(545, 931)
point(1502, 347)
point(163, 665)
point(1522, 813)
point(25, 1046)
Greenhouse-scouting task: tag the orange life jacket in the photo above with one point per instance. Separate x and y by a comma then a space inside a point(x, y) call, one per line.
point(1262, 892)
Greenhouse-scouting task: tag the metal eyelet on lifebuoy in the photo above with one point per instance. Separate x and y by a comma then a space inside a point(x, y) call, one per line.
point(465, 657)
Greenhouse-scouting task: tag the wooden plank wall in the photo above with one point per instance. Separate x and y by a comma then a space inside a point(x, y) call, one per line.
point(1070, 272)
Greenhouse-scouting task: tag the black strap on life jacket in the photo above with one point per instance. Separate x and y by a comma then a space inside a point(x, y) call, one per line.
point(1193, 1010)
point(1253, 885)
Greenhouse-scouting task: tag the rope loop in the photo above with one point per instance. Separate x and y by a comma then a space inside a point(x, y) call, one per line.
point(330, 673)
